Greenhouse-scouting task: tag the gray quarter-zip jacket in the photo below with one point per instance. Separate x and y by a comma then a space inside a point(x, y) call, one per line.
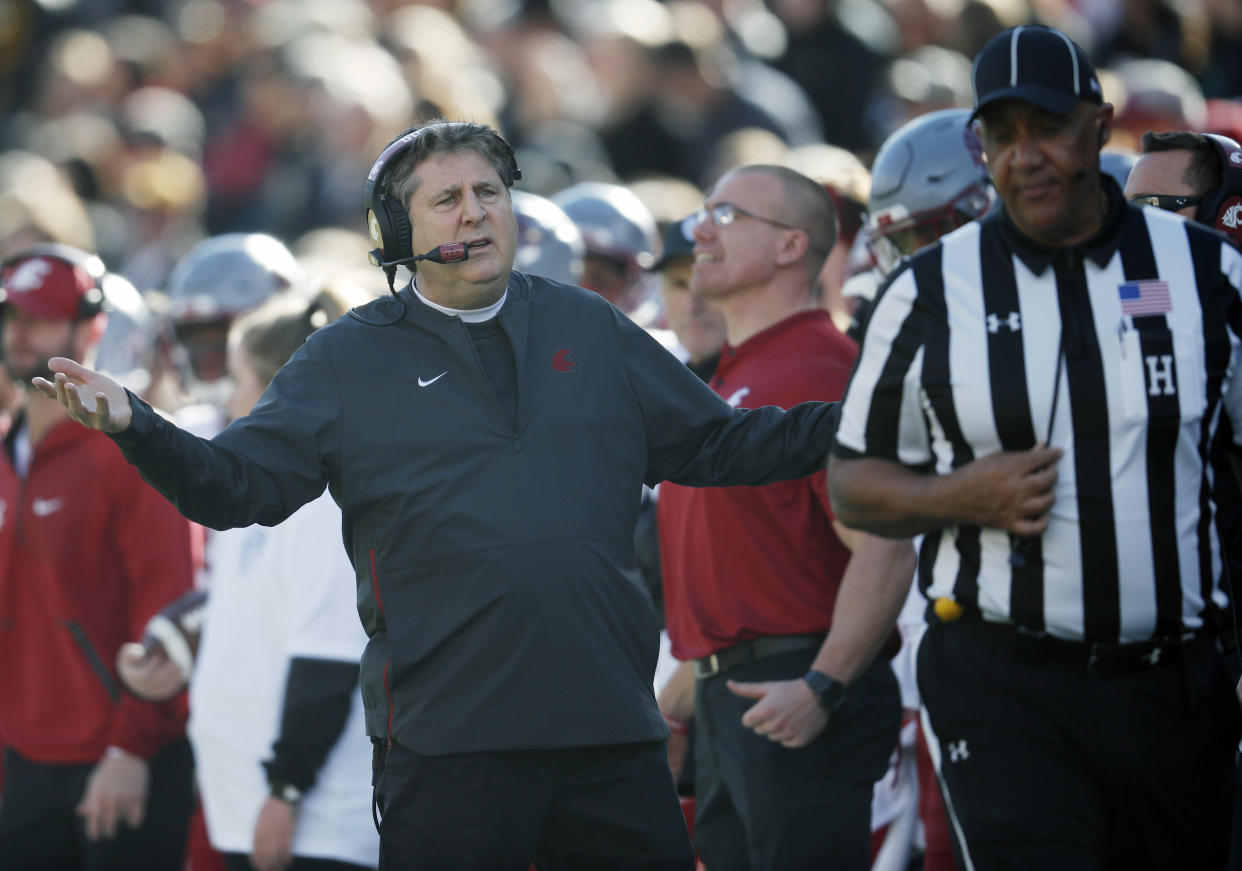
point(495, 565)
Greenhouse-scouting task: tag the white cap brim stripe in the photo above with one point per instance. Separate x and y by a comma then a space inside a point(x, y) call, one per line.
point(1069, 46)
point(1013, 57)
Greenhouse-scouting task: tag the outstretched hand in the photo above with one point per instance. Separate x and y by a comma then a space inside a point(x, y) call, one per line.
point(92, 399)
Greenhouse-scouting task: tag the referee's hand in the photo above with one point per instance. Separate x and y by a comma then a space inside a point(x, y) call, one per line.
point(1010, 490)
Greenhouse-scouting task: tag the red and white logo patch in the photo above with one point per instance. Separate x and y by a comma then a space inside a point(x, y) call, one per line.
point(1229, 218)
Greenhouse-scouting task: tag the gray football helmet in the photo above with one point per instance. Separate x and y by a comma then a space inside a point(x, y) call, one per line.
point(549, 242)
point(220, 278)
point(928, 178)
point(224, 276)
point(613, 221)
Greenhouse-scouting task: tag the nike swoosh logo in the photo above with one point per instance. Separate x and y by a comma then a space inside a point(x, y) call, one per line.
point(44, 507)
point(422, 383)
point(736, 399)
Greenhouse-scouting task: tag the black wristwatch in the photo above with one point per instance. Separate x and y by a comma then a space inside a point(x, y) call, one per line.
point(829, 690)
point(286, 792)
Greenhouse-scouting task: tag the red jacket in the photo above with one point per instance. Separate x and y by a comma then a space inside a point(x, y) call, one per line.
point(741, 562)
point(88, 552)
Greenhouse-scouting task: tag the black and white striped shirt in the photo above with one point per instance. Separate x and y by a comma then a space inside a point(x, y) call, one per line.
point(959, 361)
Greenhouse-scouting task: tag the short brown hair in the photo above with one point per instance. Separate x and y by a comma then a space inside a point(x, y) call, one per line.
point(1205, 172)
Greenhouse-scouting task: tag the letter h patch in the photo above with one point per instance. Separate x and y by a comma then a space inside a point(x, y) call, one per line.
point(1160, 375)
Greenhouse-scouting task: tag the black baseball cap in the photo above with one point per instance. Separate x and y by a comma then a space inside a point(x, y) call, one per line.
point(1036, 64)
point(678, 242)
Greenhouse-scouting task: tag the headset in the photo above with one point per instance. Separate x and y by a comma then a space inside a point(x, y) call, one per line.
point(93, 301)
point(1222, 208)
point(388, 220)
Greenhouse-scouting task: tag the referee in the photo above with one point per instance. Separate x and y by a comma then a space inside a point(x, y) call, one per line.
point(1037, 393)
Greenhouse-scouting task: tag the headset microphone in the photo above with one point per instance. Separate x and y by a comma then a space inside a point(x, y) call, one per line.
point(453, 252)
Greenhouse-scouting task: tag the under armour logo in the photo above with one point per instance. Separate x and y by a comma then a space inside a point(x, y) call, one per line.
point(1232, 216)
point(958, 751)
point(1160, 375)
point(563, 360)
point(1013, 321)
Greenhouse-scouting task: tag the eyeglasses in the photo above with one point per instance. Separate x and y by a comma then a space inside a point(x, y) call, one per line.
point(1168, 202)
point(724, 214)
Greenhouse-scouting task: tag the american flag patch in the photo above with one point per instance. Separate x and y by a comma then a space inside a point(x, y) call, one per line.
point(1149, 297)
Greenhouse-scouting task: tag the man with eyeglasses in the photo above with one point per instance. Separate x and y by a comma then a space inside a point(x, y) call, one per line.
point(785, 758)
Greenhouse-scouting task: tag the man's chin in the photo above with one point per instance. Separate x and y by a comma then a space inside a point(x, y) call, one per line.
point(26, 374)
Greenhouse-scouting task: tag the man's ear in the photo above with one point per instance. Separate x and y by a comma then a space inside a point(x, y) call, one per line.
point(793, 248)
point(1105, 117)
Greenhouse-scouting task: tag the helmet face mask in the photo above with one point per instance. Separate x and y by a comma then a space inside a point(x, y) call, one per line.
point(891, 241)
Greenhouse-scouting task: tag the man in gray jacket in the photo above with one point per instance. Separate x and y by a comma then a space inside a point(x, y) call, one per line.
point(486, 434)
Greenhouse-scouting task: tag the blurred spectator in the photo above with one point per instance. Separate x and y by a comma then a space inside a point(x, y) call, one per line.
point(827, 49)
point(1159, 96)
point(698, 104)
point(38, 205)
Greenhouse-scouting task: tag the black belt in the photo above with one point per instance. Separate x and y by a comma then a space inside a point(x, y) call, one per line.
point(747, 652)
point(1101, 658)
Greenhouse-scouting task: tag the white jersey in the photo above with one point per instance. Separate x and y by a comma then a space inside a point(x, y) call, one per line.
point(278, 593)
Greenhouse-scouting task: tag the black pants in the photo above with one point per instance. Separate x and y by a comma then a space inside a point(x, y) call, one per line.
point(585, 809)
point(1048, 767)
point(40, 830)
point(763, 807)
point(241, 862)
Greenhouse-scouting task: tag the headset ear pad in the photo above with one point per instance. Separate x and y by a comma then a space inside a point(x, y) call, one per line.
point(395, 228)
point(1222, 208)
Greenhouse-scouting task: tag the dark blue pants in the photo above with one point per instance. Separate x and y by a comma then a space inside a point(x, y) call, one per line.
point(610, 808)
point(1048, 767)
point(760, 806)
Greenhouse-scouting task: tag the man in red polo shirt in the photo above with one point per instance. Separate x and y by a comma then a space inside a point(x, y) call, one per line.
point(751, 574)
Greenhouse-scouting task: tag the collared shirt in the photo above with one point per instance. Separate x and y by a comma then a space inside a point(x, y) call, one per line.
point(1122, 351)
point(742, 562)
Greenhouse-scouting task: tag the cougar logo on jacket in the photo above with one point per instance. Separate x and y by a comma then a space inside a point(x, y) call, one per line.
point(563, 360)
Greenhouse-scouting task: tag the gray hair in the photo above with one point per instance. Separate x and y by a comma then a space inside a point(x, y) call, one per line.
point(448, 137)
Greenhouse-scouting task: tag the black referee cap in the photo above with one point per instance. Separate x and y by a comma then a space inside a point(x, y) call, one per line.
point(1036, 64)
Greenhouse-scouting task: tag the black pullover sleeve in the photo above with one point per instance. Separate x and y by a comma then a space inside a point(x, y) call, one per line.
point(318, 695)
